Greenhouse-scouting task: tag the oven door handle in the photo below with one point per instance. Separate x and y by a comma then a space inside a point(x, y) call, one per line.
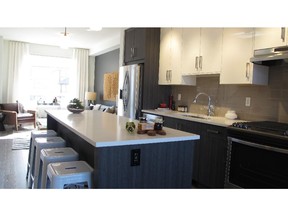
point(269, 148)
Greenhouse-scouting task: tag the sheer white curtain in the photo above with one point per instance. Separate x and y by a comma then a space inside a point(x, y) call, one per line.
point(80, 57)
point(18, 53)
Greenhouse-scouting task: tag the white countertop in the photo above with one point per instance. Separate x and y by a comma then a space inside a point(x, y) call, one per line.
point(106, 130)
point(213, 120)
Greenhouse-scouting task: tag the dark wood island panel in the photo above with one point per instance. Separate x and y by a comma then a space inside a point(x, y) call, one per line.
point(162, 165)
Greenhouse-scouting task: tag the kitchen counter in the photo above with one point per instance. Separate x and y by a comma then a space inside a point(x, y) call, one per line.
point(212, 120)
point(102, 129)
point(123, 160)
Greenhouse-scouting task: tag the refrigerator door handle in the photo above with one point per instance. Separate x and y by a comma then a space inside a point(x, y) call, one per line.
point(120, 94)
point(126, 91)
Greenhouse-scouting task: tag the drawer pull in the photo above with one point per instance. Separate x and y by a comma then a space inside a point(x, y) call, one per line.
point(213, 131)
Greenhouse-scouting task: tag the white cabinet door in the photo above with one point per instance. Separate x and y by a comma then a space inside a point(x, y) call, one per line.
point(211, 50)
point(190, 51)
point(270, 37)
point(170, 65)
point(165, 56)
point(175, 74)
point(202, 51)
point(237, 51)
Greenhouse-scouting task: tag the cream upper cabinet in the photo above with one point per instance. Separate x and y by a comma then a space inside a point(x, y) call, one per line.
point(202, 51)
point(238, 46)
point(190, 51)
point(270, 37)
point(170, 64)
point(165, 58)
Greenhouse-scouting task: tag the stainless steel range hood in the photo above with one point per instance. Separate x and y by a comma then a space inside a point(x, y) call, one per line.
point(271, 56)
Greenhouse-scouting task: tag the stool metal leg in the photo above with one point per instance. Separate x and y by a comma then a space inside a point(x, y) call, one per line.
point(28, 162)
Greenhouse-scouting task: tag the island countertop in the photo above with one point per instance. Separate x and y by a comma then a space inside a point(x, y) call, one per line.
point(102, 129)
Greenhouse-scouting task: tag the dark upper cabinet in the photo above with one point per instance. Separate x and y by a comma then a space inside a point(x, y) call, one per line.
point(134, 45)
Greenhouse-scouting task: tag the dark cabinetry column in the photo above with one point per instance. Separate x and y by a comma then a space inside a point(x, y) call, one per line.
point(146, 42)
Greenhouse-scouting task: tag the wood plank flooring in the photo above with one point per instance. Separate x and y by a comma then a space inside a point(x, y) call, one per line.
point(13, 166)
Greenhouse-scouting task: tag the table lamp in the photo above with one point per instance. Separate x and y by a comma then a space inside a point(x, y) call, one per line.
point(90, 96)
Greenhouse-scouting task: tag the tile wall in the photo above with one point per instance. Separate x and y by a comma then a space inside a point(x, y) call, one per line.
point(267, 102)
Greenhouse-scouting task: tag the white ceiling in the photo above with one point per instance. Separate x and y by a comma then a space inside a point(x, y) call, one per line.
point(96, 41)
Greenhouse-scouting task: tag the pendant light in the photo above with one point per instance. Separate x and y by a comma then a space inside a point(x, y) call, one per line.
point(65, 39)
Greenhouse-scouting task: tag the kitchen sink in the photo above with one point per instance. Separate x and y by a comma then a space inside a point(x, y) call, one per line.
point(192, 115)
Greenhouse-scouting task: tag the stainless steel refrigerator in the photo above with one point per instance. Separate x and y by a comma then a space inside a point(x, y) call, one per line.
point(130, 91)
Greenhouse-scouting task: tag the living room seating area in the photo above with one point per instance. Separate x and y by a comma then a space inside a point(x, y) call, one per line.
point(15, 114)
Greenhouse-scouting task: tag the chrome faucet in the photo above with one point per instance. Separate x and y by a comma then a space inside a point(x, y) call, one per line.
point(210, 106)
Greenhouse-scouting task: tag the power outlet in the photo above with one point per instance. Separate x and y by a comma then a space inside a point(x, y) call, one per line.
point(135, 157)
point(247, 101)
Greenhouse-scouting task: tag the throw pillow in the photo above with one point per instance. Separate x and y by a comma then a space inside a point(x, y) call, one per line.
point(97, 107)
point(110, 110)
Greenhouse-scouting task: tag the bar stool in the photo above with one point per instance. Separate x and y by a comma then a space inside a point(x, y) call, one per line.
point(69, 175)
point(54, 155)
point(31, 155)
point(41, 143)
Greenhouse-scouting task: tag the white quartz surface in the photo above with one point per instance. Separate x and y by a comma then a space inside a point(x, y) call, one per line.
point(213, 120)
point(105, 130)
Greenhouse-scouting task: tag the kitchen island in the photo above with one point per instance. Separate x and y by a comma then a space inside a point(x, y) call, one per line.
point(124, 160)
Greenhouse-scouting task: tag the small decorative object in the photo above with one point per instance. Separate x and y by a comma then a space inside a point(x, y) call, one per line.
point(130, 127)
point(75, 106)
point(158, 124)
point(151, 133)
point(231, 114)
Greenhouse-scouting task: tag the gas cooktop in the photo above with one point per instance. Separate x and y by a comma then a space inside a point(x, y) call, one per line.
point(268, 127)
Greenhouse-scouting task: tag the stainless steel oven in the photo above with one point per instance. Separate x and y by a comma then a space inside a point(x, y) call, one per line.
point(257, 155)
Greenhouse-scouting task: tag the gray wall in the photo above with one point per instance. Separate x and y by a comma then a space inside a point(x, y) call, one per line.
point(105, 63)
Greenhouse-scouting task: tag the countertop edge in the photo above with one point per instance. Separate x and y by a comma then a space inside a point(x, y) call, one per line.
point(148, 141)
point(151, 140)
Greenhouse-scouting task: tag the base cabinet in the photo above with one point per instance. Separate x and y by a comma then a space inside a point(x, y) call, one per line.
point(209, 152)
point(212, 156)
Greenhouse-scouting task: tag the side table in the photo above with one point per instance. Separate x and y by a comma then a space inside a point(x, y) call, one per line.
point(2, 117)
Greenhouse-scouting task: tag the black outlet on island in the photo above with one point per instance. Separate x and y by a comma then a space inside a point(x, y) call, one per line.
point(135, 157)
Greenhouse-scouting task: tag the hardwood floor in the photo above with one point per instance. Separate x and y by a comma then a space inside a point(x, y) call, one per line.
point(13, 166)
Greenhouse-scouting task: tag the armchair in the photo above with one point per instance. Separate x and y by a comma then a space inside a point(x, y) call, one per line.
point(16, 115)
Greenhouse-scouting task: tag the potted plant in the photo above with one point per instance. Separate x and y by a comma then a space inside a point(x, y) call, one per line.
point(75, 106)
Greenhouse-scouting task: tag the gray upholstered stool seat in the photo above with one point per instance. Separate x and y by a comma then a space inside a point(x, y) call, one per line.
point(42, 143)
point(31, 155)
point(54, 155)
point(69, 175)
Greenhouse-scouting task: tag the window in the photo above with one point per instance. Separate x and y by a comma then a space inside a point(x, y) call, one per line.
point(50, 78)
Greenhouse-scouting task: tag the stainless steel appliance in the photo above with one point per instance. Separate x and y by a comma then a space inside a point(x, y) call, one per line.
point(130, 91)
point(257, 155)
point(271, 56)
point(151, 118)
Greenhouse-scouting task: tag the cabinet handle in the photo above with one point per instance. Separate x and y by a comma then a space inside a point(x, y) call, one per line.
point(283, 34)
point(248, 70)
point(200, 62)
point(196, 62)
point(134, 52)
point(213, 131)
point(131, 50)
point(170, 75)
point(167, 75)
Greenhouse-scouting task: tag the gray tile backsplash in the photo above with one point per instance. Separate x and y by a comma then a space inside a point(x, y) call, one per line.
point(267, 102)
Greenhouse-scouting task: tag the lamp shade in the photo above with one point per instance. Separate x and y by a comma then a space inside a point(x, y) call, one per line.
point(90, 96)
